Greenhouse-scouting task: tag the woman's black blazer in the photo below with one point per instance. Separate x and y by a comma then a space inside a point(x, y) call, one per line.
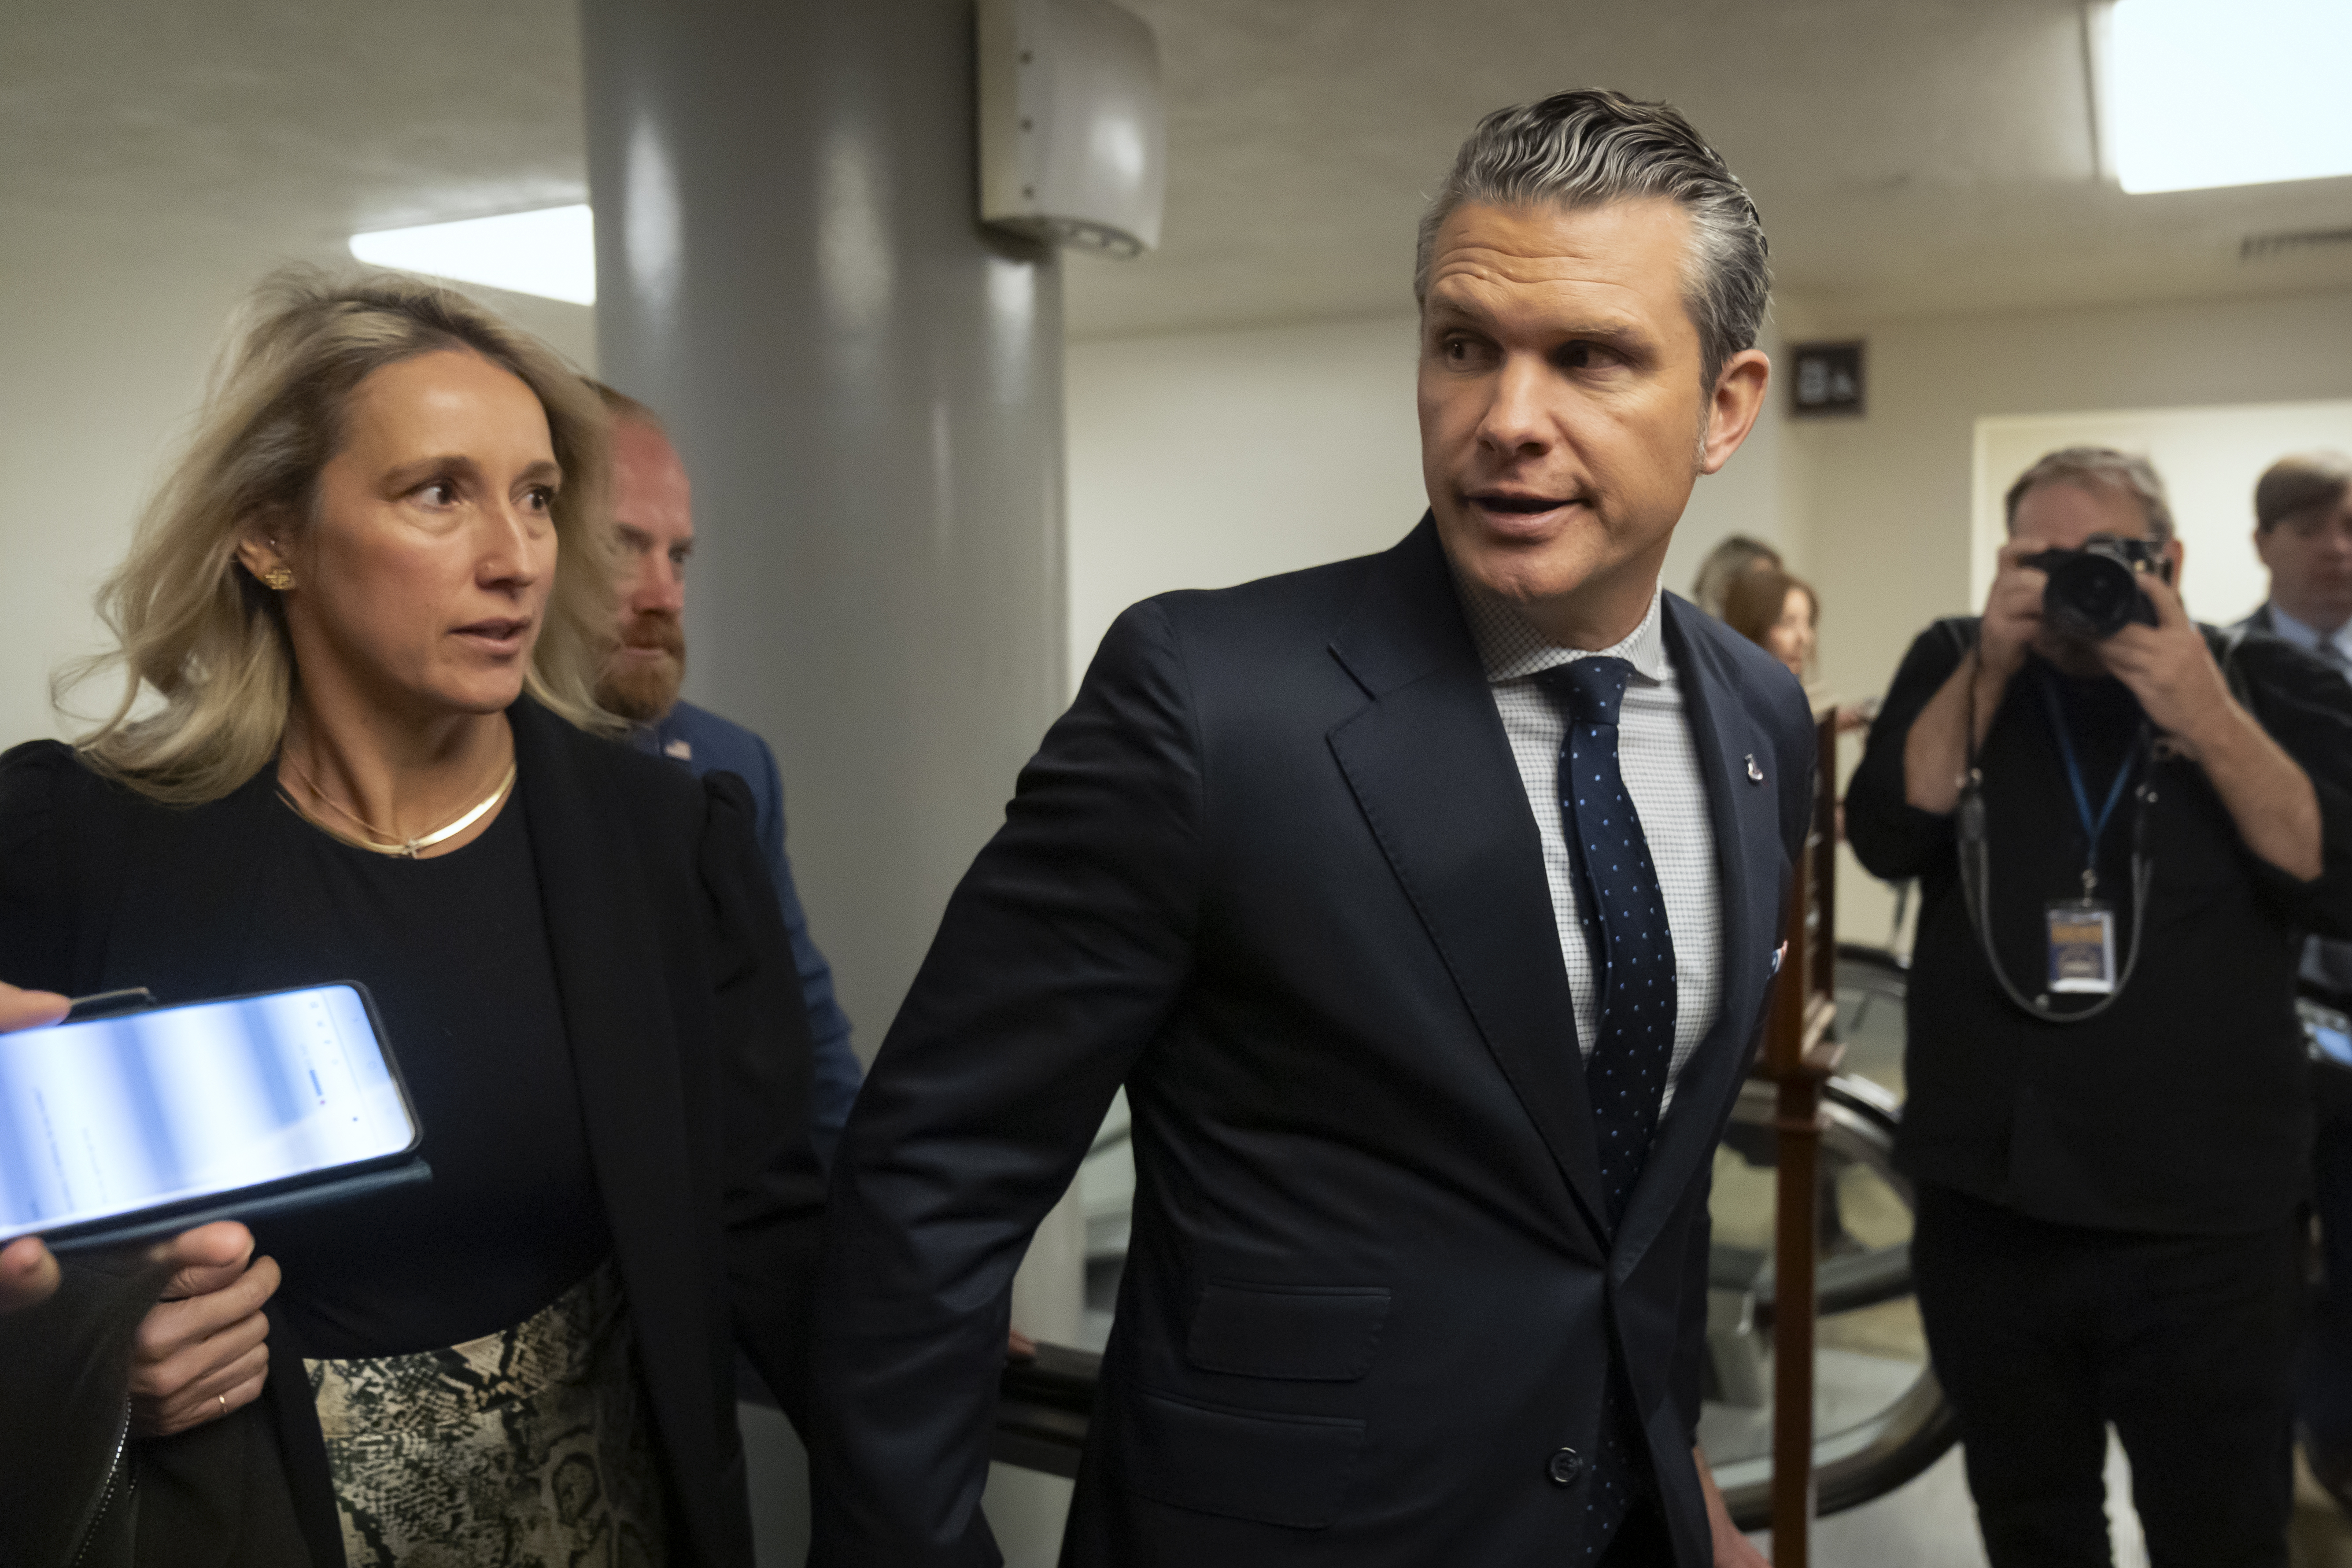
point(690, 1042)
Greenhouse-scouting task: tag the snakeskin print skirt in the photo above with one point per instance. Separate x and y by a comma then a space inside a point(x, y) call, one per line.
point(528, 1448)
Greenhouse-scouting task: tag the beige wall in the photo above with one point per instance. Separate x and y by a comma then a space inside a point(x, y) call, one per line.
point(1202, 460)
point(1887, 496)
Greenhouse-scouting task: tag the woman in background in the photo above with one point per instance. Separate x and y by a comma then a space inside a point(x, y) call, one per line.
point(365, 616)
point(1734, 556)
point(1780, 615)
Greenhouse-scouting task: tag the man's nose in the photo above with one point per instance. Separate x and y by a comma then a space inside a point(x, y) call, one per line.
point(1519, 415)
point(658, 586)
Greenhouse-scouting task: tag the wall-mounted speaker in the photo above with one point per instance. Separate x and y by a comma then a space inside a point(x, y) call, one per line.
point(1073, 134)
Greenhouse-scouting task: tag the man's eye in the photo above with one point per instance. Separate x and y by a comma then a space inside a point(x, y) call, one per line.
point(437, 492)
point(539, 497)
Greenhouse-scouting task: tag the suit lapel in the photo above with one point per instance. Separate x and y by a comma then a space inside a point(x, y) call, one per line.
point(1752, 867)
point(1433, 774)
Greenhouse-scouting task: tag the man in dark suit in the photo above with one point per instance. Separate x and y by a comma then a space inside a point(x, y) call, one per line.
point(2303, 532)
point(1424, 1100)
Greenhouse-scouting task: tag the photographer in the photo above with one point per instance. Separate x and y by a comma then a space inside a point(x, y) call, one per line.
point(2108, 1112)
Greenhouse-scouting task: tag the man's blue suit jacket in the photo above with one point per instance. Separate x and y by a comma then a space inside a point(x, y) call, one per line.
point(708, 744)
point(1275, 871)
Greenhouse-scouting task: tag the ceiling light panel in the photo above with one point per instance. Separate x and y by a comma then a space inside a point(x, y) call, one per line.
point(551, 252)
point(2198, 94)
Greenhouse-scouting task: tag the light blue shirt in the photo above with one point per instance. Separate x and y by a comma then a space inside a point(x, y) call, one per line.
point(2338, 651)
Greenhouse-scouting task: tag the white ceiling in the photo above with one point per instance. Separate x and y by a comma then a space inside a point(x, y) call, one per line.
point(1907, 155)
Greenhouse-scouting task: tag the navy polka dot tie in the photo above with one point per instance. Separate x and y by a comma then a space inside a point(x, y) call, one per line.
point(1624, 917)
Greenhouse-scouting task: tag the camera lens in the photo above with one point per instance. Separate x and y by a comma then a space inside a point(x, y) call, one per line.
point(2091, 595)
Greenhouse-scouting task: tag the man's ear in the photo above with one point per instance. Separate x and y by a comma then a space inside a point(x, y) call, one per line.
point(2175, 553)
point(1737, 397)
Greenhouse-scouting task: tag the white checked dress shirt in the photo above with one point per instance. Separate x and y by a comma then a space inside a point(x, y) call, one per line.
point(1660, 766)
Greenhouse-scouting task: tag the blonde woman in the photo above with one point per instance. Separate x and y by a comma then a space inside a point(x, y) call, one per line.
point(365, 614)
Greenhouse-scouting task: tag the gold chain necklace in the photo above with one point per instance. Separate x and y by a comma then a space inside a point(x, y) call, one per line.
point(378, 841)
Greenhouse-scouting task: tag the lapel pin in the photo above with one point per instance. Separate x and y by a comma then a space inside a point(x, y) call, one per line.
point(1778, 954)
point(1755, 773)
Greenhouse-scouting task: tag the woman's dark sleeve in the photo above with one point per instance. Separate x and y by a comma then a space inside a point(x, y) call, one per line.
point(775, 1199)
point(36, 922)
point(1893, 839)
point(2306, 707)
point(65, 1364)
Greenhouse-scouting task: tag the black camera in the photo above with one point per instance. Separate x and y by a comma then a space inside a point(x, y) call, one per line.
point(2093, 592)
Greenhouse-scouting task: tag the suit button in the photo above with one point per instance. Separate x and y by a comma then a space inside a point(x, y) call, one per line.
point(1564, 1467)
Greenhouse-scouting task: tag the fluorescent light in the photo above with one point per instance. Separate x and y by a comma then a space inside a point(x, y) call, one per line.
point(2198, 93)
point(551, 252)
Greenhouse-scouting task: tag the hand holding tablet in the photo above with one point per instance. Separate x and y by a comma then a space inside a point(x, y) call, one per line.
point(28, 1009)
point(140, 1128)
point(200, 1352)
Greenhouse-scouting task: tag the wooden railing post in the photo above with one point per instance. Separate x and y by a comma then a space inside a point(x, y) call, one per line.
point(1799, 1056)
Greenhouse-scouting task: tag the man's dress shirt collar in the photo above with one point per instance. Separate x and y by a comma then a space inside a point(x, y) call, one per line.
point(1660, 764)
point(2338, 652)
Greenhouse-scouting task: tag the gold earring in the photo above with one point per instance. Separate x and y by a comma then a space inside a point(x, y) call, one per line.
point(278, 577)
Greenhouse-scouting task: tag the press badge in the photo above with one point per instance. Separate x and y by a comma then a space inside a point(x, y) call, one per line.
point(2082, 946)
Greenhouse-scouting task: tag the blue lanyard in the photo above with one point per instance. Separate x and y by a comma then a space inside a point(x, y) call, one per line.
point(2093, 827)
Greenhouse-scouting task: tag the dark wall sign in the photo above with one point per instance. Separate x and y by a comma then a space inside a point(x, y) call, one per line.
point(1827, 380)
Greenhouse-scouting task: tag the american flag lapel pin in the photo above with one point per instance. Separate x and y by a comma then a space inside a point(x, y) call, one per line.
point(1755, 773)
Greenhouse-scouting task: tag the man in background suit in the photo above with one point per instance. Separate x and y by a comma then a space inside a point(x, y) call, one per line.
point(1424, 1102)
point(2303, 532)
point(653, 501)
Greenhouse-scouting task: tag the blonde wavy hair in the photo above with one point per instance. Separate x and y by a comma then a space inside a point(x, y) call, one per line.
point(194, 629)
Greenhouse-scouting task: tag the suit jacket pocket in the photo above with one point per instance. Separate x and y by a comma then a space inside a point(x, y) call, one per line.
point(1241, 1464)
point(1311, 1333)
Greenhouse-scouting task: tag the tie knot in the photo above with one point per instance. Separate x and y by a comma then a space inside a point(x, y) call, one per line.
point(1590, 688)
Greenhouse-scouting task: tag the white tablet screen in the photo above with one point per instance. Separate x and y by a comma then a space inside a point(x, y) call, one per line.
point(115, 1115)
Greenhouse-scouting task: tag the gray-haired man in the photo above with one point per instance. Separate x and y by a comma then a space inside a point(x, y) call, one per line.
point(1426, 905)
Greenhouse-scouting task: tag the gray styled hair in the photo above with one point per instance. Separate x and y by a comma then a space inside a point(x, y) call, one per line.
point(205, 643)
point(1588, 147)
point(2097, 465)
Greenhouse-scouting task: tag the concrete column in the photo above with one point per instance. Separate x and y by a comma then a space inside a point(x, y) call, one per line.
point(867, 391)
